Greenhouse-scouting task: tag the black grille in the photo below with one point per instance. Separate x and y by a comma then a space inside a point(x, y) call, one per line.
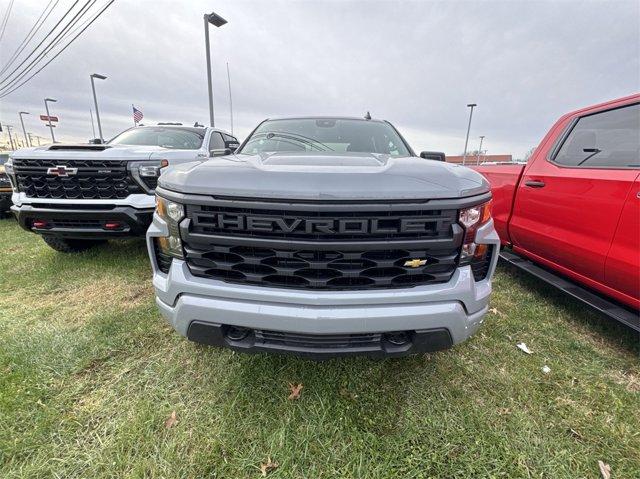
point(94, 179)
point(320, 269)
point(481, 268)
point(151, 182)
point(163, 259)
point(317, 341)
point(331, 260)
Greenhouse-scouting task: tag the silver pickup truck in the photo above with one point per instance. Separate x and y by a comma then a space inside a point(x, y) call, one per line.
point(323, 237)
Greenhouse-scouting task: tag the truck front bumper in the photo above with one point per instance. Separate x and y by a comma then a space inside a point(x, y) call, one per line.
point(88, 219)
point(322, 324)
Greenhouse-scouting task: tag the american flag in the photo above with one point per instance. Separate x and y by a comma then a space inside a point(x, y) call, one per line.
point(137, 115)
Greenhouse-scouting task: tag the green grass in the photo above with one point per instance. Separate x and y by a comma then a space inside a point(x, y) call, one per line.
point(89, 372)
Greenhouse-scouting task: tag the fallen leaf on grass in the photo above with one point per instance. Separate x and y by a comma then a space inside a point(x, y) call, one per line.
point(605, 470)
point(546, 369)
point(171, 421)
point(575, 433)
point(295, 391)
point(523, 347)
point(267, 467)
point(495, 311)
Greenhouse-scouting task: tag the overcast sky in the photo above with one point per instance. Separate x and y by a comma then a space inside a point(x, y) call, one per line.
point(416, 64)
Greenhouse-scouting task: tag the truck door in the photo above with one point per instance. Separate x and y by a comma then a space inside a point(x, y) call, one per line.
point(622, 268)
point(570, 199)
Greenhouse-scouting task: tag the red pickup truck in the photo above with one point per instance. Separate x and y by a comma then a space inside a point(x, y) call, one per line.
point(571, 215)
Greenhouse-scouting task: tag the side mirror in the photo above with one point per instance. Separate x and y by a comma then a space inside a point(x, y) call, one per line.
point(433, 155)
point(231, 145)
point(220, 152)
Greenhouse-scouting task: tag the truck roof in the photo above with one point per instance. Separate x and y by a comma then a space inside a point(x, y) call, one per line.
point(326, 117)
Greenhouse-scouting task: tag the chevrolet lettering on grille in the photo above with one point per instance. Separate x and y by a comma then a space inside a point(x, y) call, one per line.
point(320, 225)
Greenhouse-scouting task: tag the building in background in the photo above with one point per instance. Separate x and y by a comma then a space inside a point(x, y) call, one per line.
point(472, 158)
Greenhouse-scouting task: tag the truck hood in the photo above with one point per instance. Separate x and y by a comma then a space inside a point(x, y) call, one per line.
point(313, 176)
point(103, 152)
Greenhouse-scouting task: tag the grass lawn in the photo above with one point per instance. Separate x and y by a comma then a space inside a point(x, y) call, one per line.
point(90, 373)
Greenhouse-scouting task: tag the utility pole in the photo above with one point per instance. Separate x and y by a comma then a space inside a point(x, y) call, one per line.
point(466, 141)
point(230, 99)
point(479, 150)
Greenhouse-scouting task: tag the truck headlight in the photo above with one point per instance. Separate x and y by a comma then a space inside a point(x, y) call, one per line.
point(172, 213)
point(11, 173)
point(147, 172)
point(471, 219)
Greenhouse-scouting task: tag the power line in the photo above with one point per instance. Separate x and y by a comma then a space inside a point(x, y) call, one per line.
point(30, 35)
point(8, 82)
point(62, 50)
point(41, 42)
point(54, 43)
point(5, 20)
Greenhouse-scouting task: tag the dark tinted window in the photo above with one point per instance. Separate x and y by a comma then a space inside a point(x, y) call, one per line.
point(326, 134)
point(216, 142)
point(175, 138)
point(610, 139)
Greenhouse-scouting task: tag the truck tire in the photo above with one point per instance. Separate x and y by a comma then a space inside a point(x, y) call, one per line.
point(70, 245)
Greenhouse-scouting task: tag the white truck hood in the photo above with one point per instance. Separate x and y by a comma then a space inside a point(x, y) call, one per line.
point(106, 152)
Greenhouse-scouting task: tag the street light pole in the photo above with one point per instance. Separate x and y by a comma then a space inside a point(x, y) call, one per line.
point(93, 127)
point(466, 141)
point(230, 99)
point(10, 137)
point(479, 150)
point(20, 113)
point(215, 20)
point(46, 107)
point(95, 101)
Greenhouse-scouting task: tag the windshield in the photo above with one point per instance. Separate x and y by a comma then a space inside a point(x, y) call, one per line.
point(174, 138)
point(325, 134)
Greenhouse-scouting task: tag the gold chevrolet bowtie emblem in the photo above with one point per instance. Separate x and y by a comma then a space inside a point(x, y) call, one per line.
point(415, 263)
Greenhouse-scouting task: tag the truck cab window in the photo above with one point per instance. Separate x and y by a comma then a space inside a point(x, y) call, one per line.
point(609, 139)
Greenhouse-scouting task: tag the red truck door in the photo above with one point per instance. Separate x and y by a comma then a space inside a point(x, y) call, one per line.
point(622, 268)
point(570, 198)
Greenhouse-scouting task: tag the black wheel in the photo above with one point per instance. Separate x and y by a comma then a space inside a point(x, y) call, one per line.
point(70, 245)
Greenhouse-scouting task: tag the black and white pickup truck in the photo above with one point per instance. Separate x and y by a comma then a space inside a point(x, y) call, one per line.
point(78, 195)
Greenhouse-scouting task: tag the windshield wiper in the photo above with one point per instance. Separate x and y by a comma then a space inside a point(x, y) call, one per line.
point(593, 151)
point(295, 136)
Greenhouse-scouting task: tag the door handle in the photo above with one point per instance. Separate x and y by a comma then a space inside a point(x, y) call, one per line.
point(534, 184)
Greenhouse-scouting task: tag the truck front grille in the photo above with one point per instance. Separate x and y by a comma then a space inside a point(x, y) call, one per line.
point(80, 179)
point(279, 249)
point(317, 341)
